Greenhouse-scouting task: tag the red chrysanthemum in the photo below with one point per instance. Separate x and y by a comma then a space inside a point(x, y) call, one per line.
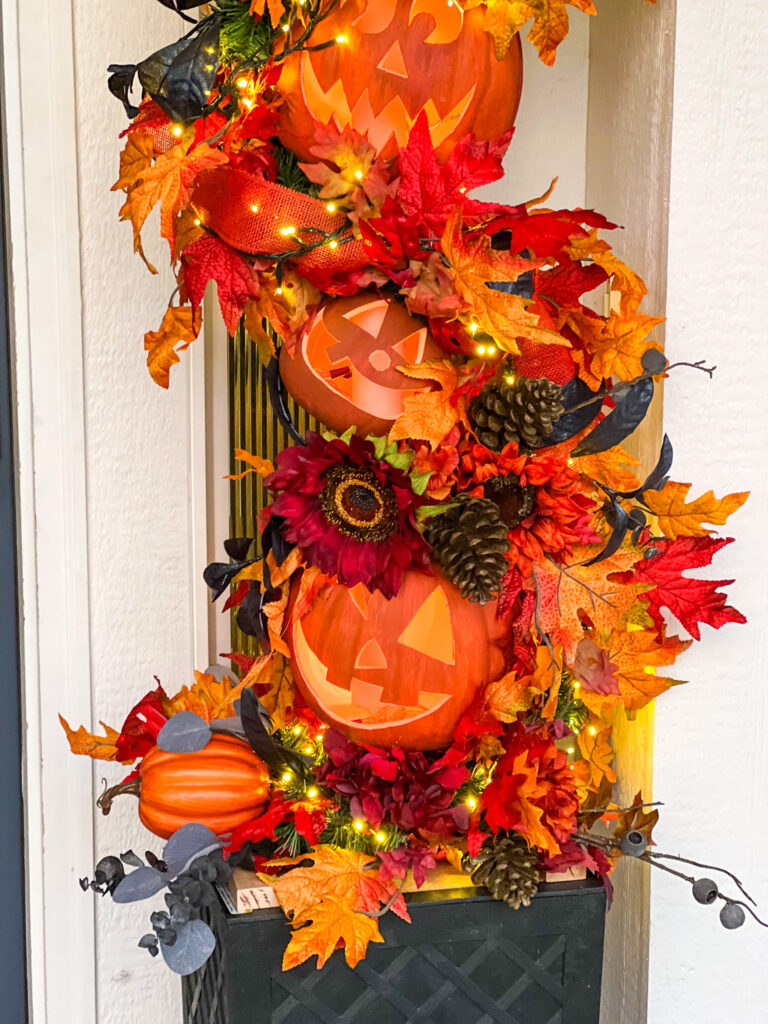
point(541, 497)
point(352, 515)
point(534, 790)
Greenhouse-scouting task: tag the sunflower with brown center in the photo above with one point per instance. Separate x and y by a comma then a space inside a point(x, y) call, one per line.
point(352, 515)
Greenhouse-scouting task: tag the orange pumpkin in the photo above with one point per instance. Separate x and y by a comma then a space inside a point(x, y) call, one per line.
point(220, 786)
point(400, 57)
point(344, 368)
point(399, 672)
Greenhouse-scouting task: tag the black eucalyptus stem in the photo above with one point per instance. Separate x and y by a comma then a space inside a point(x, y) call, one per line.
point(707, 867)
point(625, 385)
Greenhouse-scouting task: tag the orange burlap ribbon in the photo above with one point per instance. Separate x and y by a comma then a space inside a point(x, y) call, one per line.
point(252, 215)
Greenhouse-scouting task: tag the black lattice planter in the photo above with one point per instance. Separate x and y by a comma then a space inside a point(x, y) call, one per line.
point(465, 959)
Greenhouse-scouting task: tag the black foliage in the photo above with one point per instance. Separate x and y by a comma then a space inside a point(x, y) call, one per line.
point(120, 83)
point(620, 526)
point(182, 5)
point(574, 393)
point(620, 422)
point(180, 76)
point(257, 725)
point(238, 547)
point(523, 286)
point(250, 618)
point(272, 539)
point(278, 400)
point(219, 575)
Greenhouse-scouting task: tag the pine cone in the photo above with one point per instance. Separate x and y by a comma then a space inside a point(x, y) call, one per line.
point(509, 870)
point(525, 411)
point(470, 542)
point(515, 501)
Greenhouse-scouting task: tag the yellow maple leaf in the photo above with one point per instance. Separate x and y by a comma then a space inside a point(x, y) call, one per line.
point(678, 518)
point(430, 415)
point(255, 464)
point(81, 741)
point(550, 23)
point(208, 697)
point(180, 326)
point(328, 925)
point(334, 872)
point(476, 265)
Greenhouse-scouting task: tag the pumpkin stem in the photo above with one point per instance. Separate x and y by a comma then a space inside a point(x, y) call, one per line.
point(104, 802)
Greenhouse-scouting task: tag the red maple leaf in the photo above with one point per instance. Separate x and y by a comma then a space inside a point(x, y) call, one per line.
point(210, 259)
point(429, 191)
point(691, 601)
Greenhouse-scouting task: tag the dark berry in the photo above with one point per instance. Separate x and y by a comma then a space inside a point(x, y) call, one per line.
point(705, 891)
point(732, 916)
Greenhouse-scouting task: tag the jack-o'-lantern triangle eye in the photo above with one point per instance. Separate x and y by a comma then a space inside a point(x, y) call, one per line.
point(359, 596)
point(393, 61)
point(430, 631)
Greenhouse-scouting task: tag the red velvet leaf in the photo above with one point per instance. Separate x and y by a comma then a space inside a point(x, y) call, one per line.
point(691, 601)
point(210, 259)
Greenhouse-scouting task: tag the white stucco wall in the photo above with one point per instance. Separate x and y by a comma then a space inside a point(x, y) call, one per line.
point(711, 755)
point(138, 480)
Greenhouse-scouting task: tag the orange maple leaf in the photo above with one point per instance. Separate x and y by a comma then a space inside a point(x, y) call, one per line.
point(273, 671)
point(475, 265)
point(505, 18)
point(326, 926)
point(166, 182)
point(430, 415)
point(505, 698)
point(180, 326)
point(680, 519)
point(274, 7)
point(530, 789)
point(208, 697)
point(596, 749)
point(621, 668)
point(612, 468)
point(100, 748)
point(135, 159)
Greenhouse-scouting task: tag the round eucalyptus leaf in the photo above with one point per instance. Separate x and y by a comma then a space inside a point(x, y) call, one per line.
point(194, 944)
point(185, 733)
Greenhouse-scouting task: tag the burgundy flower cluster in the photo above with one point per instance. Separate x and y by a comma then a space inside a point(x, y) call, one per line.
point(402, 788)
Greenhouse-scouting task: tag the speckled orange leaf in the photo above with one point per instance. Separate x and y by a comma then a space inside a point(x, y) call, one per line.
point(180, 326)
point(430, 415)
point(100, 748)
point(637, 818)
point(503, 316)
point(328, 925)
point(567, 591)
point(678, 518)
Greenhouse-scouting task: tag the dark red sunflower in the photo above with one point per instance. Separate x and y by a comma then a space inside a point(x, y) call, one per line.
point(352, 515)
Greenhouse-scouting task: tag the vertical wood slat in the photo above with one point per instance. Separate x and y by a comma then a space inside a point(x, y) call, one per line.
point(254, 427)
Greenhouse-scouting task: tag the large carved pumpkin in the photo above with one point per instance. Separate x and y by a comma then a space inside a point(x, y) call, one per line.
point(220, 786)
point(344, 368)
point(399, 672)
point(400, 57)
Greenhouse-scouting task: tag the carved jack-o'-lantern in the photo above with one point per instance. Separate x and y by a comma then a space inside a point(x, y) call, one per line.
point(399, 672)
point(400, 57)
point(344, 368)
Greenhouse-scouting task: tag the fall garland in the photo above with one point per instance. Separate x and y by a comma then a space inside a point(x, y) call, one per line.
point(460, 583)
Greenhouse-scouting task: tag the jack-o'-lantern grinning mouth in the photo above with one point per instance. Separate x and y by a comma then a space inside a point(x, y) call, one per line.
point(355, 501)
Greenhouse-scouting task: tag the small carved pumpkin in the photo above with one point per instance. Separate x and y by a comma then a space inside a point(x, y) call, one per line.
point(399, 672)
point(220, 786)
point(400, 57)
point(344, 368)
